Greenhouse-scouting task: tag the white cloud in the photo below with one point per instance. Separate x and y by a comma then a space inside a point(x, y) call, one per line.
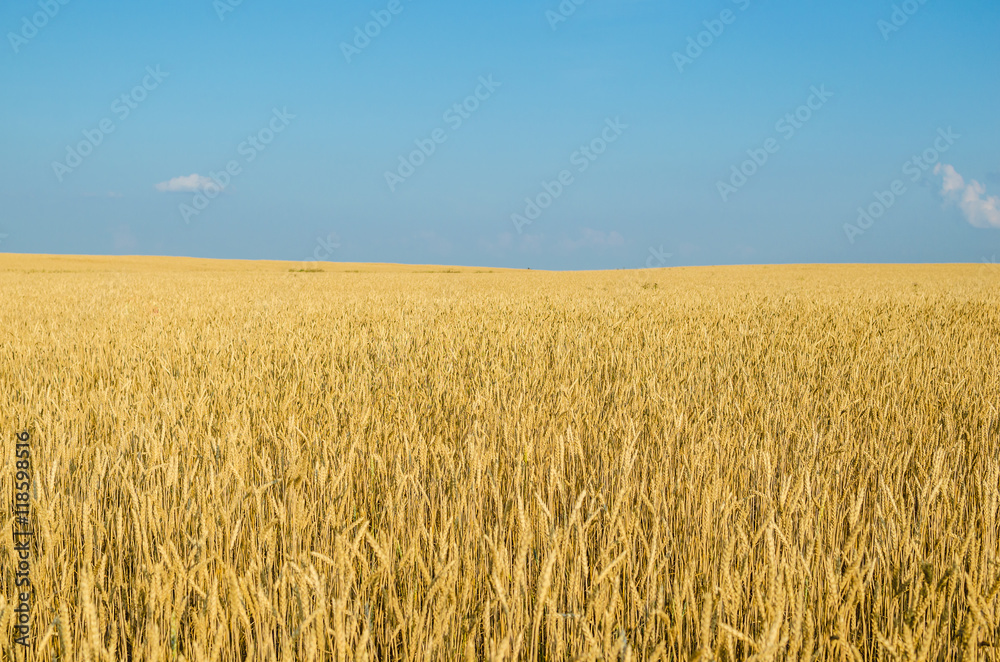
point(981, 210)
point(189, 184)
point(953, 182)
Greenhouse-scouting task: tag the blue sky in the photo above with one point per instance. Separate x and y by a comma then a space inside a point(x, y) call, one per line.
point(603, 135)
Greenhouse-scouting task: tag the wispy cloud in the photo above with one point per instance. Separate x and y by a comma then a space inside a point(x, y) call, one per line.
point(189, 184)
point(981, 210)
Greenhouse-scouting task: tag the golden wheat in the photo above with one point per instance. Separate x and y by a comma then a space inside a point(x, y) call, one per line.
point(236, 461)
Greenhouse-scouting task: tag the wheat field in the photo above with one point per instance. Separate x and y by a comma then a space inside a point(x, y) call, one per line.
point(237, 460)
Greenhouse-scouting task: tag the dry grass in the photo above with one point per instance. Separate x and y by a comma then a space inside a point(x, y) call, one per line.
point(246, 462)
